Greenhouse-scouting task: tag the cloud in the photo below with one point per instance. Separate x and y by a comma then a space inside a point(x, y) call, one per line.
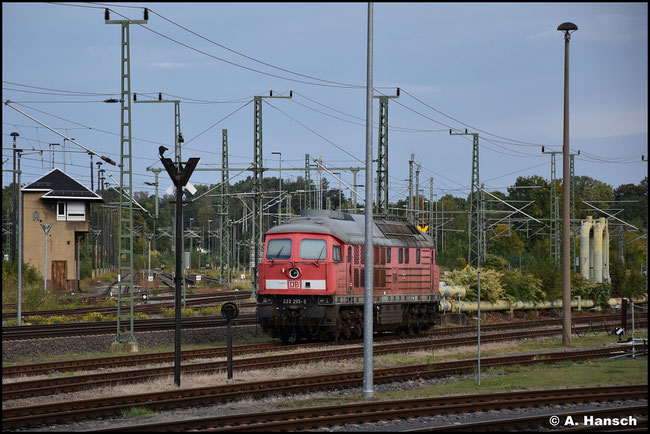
point(607, 123)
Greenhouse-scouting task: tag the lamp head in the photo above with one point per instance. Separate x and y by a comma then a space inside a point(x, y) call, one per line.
point(567, 28)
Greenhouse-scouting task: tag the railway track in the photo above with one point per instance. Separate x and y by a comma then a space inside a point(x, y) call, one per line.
point(154, 305)
point(318, 417)
point(30, 416)
point(48, 386)
point(108, 327)
point(134, 359)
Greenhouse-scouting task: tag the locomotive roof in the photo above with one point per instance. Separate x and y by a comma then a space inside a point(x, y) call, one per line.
point(350, 228)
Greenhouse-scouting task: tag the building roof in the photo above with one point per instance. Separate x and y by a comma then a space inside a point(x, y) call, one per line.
point(57, 185)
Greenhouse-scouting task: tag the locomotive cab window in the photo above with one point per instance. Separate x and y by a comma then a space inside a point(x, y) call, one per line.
point(279, 249)
point(336, 253)
point(313, 249)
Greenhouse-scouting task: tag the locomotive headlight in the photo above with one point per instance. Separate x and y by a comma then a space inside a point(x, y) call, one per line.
point(264, 300)
point(294, 273)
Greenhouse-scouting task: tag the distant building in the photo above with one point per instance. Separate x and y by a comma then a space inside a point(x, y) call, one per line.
point(56, 199)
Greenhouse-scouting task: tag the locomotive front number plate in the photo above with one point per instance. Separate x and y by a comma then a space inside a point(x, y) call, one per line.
point(295, 301)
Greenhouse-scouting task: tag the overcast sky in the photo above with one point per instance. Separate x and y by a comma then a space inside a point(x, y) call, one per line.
point(495, 69)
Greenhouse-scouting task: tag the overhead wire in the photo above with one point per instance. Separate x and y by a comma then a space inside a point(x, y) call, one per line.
point(492, 141)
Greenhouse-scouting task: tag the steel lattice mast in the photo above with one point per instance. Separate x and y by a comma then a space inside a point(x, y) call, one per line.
point(125, 216)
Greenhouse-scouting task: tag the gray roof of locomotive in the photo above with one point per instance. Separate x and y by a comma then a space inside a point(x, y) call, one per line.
point(350, 228)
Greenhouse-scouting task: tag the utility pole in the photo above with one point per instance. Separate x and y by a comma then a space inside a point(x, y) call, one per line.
point(103, 241)
point(381, 205)
point(224, 216)
point(368, 388)
point(473, 218)
point(409, 211)
point(90, 219)
point(555, 209)
point(279, 186)
point(155, 184)
point(52, 154)
point(572, 217)
point(555, 212)
point(308, 203)
point(125, 335)
point(432, 223)
point(20, 238)
point(417, 194)
point(258, 173)
point(14, 223)
point(567, 28)
point(178, 140)
point(355, 172)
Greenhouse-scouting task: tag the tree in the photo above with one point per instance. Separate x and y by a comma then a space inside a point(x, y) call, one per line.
point(636, 212)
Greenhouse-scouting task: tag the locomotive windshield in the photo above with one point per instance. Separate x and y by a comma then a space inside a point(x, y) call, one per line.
point(279, 249)
point(313, 249)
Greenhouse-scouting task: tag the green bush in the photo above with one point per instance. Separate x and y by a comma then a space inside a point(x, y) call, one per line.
point(550, 275)
point(491, 288)
point(86, 269)
point(585, 288)
point(495, 262)
point(521, 286)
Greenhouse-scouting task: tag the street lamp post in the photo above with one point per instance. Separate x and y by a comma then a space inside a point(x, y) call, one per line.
point(280, 182)
point(567, 28)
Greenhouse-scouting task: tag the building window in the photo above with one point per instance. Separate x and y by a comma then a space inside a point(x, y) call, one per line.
point(388, 255)
point(400, 256)
point(76, 211)
point(60, 211)
point(417, 256)
point(406, 256)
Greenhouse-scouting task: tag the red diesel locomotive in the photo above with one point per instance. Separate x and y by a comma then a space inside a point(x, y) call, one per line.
point(311, 277)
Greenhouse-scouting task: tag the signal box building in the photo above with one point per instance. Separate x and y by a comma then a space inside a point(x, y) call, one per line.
point(56, 199)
